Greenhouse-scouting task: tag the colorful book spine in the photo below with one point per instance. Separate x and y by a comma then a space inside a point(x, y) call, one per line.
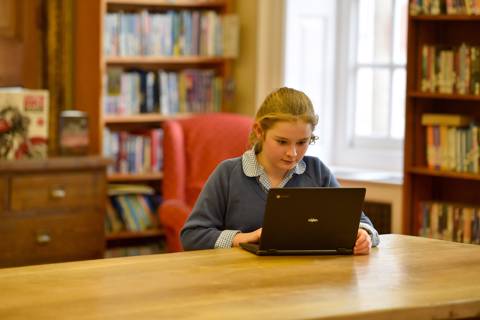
point(449, 221)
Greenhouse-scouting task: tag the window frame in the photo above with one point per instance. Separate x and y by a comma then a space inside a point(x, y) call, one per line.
point(350, 150)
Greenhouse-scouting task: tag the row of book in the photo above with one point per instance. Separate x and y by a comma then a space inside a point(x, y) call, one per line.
point(125, 251)
point(130, 208)
point(171, 33)
point(436, 7)
point(452, 142)
point(134, 151)
point(451, 69)
point(165, 92)
point(449, 221)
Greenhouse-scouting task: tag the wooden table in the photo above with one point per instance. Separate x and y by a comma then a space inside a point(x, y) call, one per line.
point(405, 278)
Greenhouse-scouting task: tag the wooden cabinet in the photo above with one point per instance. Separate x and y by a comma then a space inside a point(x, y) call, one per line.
point(422, 182)
point(94, 61)
point(52, 210)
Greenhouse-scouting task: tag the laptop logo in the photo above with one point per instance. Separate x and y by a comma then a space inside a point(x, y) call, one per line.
point(312, 220)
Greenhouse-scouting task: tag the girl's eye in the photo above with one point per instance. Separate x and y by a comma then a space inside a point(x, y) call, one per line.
point(302, 143)
point(282, 142)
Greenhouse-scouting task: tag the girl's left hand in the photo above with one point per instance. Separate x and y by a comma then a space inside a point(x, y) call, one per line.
point(363, 243)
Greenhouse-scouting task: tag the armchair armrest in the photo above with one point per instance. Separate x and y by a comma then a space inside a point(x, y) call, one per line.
point(173, 214)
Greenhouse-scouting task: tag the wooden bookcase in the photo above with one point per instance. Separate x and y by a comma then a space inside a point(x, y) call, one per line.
point(91, 65)
point(422, 183)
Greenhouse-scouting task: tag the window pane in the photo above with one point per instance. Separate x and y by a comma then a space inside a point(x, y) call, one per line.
point(374, 31)
point(372, 102)
point(400, 32)
point(398, 103)
point(363, 110)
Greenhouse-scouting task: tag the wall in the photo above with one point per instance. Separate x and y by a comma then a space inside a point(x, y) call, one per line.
point(378, 191)
point(246, 64)
point(259, 68)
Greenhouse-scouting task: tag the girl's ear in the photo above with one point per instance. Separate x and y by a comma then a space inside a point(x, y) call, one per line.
point(258, 130)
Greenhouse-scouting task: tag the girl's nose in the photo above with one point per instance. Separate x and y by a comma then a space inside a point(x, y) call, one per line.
point(292, 151)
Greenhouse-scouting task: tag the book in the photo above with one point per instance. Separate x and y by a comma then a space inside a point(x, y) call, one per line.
point(23, 123)
point(455, 120)
point(122, 189)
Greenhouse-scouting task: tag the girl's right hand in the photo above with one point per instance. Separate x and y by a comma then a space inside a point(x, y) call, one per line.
point(251, 237)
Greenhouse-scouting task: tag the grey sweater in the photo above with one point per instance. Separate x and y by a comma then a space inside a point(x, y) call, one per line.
point(230, 200)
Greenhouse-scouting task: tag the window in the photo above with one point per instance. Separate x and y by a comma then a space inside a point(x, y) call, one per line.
point(379, 69)
point(310, 62)
point(371, 79)
point(362, 123)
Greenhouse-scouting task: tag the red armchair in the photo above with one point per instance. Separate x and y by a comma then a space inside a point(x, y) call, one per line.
point(192, 149)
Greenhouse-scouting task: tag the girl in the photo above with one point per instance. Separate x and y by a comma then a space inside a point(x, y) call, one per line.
point(229, 210)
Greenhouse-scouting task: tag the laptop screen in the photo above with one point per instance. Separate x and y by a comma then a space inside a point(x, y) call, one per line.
point(311, 218)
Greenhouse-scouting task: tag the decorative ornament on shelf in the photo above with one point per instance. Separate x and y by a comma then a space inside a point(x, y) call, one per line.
point(73, 133)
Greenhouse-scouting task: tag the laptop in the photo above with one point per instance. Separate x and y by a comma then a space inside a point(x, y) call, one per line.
point(310, 221)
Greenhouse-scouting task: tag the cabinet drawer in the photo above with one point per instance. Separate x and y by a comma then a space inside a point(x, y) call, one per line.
point(43, 191)
point(51, 238)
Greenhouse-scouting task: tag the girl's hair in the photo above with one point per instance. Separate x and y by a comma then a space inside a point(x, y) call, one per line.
point(284, 104)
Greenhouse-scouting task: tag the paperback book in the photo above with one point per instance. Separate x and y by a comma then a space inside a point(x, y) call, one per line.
point(23, 123)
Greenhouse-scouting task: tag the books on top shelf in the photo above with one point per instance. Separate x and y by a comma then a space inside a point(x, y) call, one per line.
point(452, 142)
point(171, 33)
point(23, 123)
point(450, 7)
point(449, 221)
point(131, 208)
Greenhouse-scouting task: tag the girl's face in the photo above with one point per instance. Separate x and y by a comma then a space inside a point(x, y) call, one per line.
point(284, 145)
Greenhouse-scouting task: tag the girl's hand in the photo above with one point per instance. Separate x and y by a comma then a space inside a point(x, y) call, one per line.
point(251, 237)
point(363, 243)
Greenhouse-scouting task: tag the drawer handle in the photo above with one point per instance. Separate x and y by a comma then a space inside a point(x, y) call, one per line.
point(58, 193)
point(43, 238)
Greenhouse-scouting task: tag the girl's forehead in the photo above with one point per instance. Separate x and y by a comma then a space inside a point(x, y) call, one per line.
point(297, 124)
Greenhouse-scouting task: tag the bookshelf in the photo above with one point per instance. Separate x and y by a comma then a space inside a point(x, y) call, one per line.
point(424, 184)
point(94, 64)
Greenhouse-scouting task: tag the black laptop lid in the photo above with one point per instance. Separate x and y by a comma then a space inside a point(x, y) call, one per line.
point(311, 218)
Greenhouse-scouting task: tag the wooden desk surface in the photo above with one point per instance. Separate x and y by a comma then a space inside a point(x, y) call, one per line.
point(405, 278)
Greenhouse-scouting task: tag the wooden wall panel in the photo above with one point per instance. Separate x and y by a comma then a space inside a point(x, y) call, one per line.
point(21, 43)
point(10, 44)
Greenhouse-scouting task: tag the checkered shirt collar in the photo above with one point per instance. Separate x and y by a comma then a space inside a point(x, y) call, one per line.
point(252, 168)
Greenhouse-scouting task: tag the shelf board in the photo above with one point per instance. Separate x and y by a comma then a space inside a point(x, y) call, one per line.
point(428, 95)
point(446, 17)
point(171, 3)
point(164, 60)
point(118, 177)
point(447, 174)
point(141, 118)
point(125, 235)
